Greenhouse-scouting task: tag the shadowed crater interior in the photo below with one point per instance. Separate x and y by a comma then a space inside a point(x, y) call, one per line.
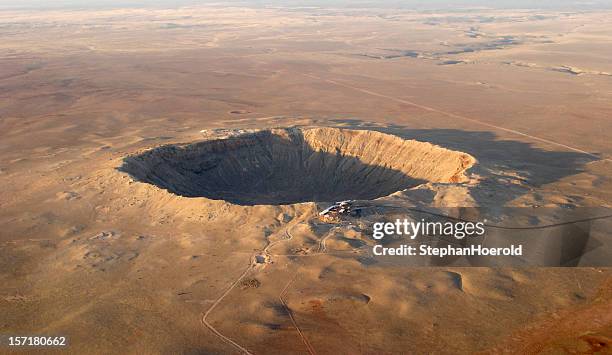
point(284, 166)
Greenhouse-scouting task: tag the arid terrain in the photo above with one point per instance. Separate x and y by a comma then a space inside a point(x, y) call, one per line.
point(108, 239)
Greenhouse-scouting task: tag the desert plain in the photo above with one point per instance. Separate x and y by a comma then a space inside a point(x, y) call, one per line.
point(100, 242)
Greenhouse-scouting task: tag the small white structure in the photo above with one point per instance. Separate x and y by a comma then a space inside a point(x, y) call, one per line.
point(337, 209)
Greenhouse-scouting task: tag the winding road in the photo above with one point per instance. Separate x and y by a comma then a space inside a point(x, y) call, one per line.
point(252, 263)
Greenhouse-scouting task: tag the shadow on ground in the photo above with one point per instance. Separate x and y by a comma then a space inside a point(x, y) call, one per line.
point(497, 158)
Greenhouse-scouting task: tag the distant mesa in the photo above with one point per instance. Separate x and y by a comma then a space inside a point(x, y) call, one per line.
point(453, 62)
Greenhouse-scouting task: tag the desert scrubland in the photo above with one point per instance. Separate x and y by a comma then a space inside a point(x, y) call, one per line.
point(101, 244)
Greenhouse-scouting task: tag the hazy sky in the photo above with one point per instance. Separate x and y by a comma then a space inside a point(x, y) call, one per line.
point(426, 4)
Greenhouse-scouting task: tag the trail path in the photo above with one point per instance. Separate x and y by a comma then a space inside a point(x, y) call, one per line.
point(290, 313)
point(252, 263)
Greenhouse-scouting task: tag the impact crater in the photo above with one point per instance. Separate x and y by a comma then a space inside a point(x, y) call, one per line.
point(293, 165)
